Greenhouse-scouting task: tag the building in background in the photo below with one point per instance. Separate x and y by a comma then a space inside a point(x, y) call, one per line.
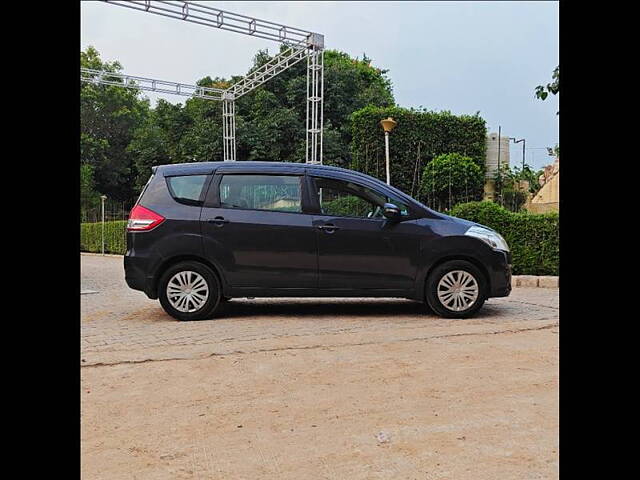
point(497, 155)
point(547, 199)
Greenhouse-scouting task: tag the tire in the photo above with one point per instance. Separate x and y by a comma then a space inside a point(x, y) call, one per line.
point(201, 303)
point(445, 279)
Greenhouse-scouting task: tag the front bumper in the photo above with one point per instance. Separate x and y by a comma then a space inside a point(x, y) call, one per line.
point(500, 274)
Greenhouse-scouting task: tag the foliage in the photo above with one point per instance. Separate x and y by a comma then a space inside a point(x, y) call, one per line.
point(510, 193)
point(108, 117)
point(122, 137)
point(532, 238)
point(89, 198)
point(418, 138)
point(272, 131)
point(149, 148)
point(161, 139)
point(530, 175)
point(451, 178)
point(348, 206)
point(270, 121)
point(513, 199)
point(278, 121)
point(543, 92)
point(114, 237)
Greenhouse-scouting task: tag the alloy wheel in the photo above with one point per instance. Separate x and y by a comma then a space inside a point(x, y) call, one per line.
point(187, 291)
point(457, 290)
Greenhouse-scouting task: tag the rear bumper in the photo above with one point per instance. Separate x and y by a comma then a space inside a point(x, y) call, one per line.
point(135, 269)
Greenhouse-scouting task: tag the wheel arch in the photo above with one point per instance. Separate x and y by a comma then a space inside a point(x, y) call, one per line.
point(474, 261)
point(169, 262)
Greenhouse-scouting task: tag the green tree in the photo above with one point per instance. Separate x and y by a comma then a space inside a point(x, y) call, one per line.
point(108, 117)
point(89, 198)
point(149, 147)
point(542, 92)
point(122, 137)
point(270, 121)
point(530, 175)
point(509, 188)
point(349, 84)
point(167, 136)
point(271, 129)
point(450, 179)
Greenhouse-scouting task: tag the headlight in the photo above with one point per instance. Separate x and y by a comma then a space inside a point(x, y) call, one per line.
point(494, 239)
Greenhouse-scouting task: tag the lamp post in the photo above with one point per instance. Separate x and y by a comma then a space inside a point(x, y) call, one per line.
point(524, 143)
point(388, 124)
point(103, 198)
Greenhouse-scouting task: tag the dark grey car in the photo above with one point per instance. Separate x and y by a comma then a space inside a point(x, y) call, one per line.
point(202, 233)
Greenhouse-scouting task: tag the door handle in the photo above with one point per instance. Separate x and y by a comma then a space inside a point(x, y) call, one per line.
point(218, 221)
point(329, 228)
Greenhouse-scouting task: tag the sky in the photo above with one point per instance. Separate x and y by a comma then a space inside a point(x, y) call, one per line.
point(458, 56)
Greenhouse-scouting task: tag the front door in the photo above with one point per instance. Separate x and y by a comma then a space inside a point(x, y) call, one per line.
point(358, 248)
point(257, 232)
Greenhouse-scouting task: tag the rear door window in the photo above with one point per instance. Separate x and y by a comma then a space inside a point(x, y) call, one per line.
point(277, 193)
point(187, 188)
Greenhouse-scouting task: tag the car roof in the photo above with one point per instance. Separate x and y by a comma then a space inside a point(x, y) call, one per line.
point(194, 168)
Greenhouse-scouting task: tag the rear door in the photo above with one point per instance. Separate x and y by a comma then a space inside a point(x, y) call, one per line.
point(255, 229)
point(358, 248)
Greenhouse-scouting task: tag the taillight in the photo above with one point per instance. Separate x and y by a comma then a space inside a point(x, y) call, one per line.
point(143, 219)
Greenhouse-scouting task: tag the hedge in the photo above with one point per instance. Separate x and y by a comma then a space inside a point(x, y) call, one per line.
point(533, 238)
point(114, 237)
point(418, 137)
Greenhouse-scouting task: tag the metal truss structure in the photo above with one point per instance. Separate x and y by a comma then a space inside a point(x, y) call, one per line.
point(301, 44)
point(141, 83)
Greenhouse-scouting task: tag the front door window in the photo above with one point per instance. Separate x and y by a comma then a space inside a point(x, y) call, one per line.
point(346, 199)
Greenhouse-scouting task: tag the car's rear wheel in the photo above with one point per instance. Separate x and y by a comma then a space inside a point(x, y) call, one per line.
point(456, 289)
point(189, 291)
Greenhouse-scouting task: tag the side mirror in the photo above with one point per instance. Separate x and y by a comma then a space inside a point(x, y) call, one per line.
point(391, 212)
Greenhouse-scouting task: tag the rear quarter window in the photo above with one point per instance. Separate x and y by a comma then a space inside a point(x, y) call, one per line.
point(187, 189)
point(144, 189)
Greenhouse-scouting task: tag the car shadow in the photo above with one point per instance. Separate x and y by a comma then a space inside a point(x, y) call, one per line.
point(322, 308)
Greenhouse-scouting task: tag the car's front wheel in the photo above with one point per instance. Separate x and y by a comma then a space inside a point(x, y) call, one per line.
point(456, 289)
point(189, 291)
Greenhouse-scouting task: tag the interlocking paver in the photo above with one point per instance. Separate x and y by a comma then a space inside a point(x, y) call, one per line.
point(119, 324)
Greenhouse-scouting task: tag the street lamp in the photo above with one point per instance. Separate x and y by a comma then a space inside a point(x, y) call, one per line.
point(388, 124)
point(103, 198)
point(524, 143)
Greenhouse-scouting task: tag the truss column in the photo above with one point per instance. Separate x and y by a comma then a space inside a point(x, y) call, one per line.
point(315, 104)
point(229, 129)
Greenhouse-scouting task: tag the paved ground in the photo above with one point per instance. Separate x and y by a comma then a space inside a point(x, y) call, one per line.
point(302, 388)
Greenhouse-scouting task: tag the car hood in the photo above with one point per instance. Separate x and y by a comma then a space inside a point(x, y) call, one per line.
point(461, 221)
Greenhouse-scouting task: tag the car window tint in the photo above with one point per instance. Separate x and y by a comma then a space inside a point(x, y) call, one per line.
point(278, 193)
point(347, 199)
point(187, 187)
